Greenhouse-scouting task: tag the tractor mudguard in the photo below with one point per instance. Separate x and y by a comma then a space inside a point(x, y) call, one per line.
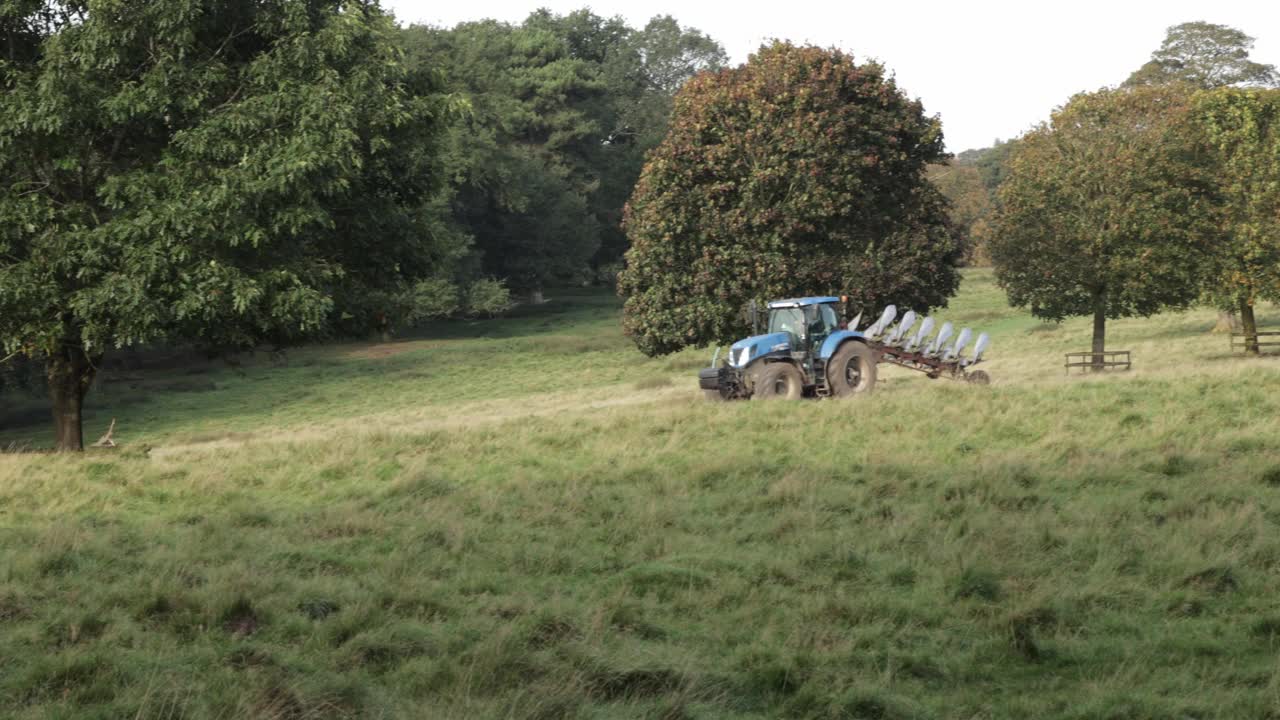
point(835, 340)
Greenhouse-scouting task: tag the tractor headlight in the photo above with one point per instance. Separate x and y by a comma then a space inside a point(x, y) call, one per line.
point(779, 347)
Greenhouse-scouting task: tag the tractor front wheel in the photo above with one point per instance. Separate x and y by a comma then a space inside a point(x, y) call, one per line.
point(852, 370)
point(779, 380)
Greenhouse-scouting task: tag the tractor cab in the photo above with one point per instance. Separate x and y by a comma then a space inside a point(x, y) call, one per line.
point(793, 330)
point(807, 321)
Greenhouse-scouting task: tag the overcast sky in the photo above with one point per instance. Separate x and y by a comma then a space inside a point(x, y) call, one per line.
point(990, 69)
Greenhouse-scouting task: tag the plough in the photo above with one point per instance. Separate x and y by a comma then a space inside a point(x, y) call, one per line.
point(898, 345)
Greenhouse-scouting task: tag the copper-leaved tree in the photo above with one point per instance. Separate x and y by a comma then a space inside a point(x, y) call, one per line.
point(801, 172)
point(1108, 210)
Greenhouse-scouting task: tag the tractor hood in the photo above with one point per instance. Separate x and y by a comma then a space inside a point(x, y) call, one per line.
point(748, 349)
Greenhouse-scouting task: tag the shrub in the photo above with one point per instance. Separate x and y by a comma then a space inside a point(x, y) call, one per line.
point(487, 297)
point(433, 298)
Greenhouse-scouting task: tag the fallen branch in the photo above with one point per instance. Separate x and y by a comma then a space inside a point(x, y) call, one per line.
point(105, 440)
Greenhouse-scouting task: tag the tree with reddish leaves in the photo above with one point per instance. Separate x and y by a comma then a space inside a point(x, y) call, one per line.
point(801, 172)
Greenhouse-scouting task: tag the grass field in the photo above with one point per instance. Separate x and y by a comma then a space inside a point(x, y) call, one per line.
point(525, 518)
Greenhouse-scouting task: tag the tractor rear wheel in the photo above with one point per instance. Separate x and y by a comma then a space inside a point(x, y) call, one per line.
point(779, 381)
point(852, 370)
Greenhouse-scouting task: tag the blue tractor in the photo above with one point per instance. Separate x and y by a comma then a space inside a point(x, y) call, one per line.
point(807, 350)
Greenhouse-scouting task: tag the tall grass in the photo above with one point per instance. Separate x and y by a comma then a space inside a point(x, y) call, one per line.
point(540, 526)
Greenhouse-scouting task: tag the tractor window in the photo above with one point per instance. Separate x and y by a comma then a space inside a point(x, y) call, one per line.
point(787, 320)
point(830, 318)
point(823, 321)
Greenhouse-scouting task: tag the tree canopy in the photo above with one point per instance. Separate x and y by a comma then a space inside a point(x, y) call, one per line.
point(1204, 55)
point(971, 182)
point(562, 110)
point(992, 163)
point(1243, 128)
point(799, 172)
point(225, 172)
point(653, 64)
point(1107, 210)
point(970, 206)
point(518, 157)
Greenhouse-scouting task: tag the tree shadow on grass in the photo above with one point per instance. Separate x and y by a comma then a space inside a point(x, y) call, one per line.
point(1184, 330)
point(567, 308)
point(157, 394)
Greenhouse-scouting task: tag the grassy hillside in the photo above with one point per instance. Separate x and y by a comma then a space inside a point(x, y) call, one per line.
point(526, 519)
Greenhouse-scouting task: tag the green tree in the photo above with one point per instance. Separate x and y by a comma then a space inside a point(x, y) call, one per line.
point(564, 108)
point(1243, 126)
point(800, 172)
point(970, 206)
point(520, 158)
point(1206, 56)
point(672, 54)
point(970, 209)
point(992, 163)
point(226, 172)
point(643, 76)
point(611, 163)
point(1107, 210)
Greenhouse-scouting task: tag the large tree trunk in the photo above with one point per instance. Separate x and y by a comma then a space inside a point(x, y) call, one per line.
point(1227, 322)
point(534, 297)
point(1099, 331)
point(70, 373)
point(1249, 327)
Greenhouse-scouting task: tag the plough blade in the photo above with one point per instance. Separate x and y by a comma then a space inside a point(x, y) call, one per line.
point(926, 327)
point(978, 348)
point(936, 346)
point(902, 329)
point(953, 353)
point(937, 357)
point(879, 326)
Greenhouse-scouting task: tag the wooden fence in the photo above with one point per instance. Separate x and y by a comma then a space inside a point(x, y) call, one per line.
point(1240, 341)
point(1109, 360)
